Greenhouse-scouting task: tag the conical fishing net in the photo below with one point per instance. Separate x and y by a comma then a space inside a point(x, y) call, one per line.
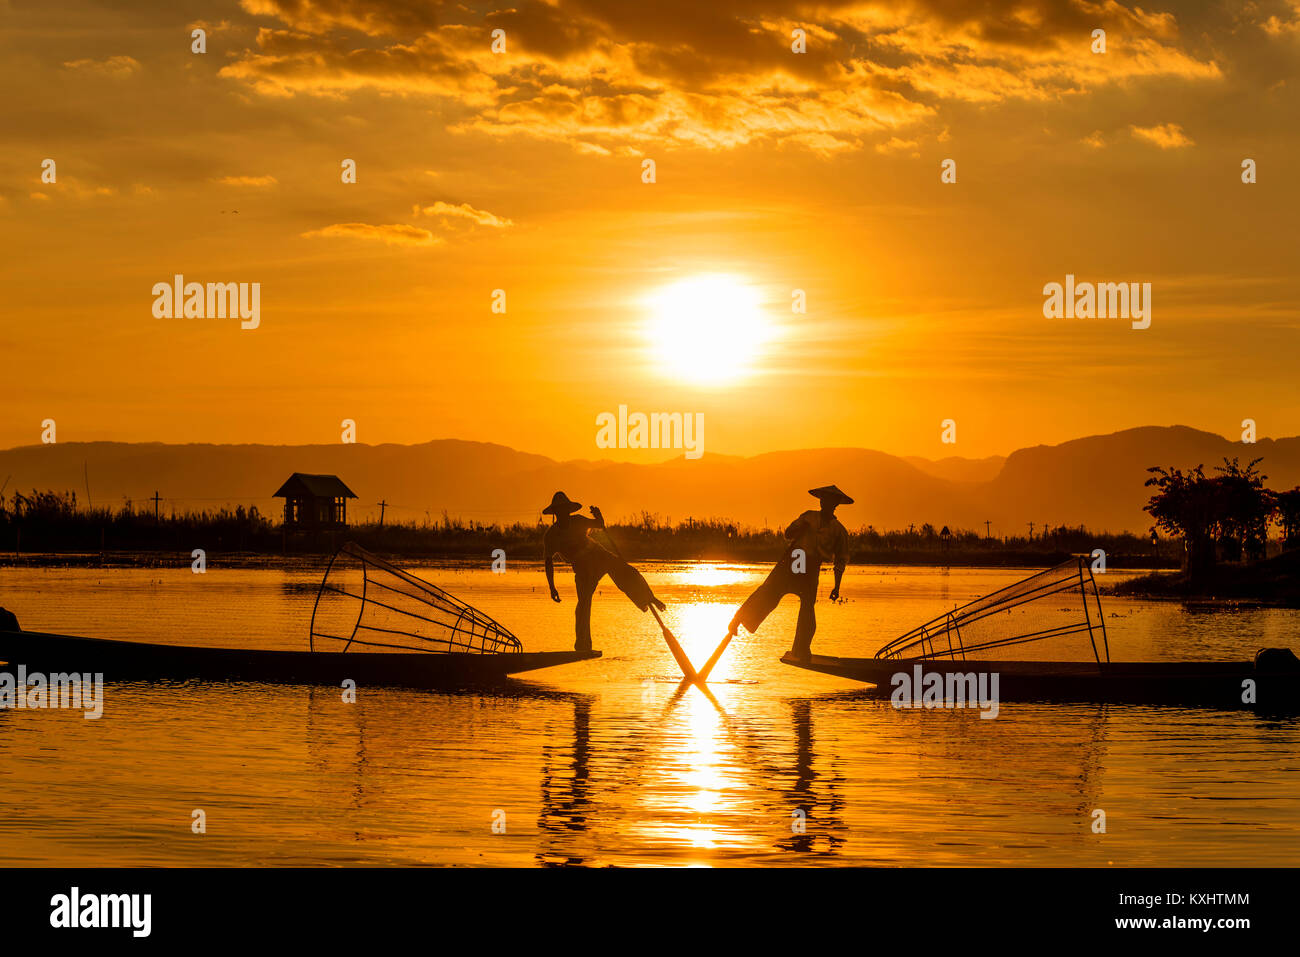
point(364, 600)
point(1054, 615)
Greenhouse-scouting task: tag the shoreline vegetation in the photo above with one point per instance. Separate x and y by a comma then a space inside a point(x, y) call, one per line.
point(1223, 522)
point(49, 529)
point(1272, 581)
point(1217, 549)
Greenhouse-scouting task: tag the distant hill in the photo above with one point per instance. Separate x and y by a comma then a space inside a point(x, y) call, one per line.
point(1096, 481)
point(956, 469)
point(1099, 480)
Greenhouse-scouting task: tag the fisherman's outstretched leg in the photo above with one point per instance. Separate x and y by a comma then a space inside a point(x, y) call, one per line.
point(758, 605)
point(633, 584)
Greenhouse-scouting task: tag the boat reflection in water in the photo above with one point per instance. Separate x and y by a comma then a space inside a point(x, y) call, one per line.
point(819, 832)
point(567, 802)
point(726, 791)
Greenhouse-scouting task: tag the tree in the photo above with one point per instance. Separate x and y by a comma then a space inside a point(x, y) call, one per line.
point(1187, 505)
point(1245, 508)
point(1288, 515)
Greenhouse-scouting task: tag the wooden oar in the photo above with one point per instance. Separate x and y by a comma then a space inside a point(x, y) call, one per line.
point(688, 670)
point(713, 658)
point(684, 663)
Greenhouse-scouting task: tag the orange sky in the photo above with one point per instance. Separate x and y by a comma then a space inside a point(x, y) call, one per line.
point(522, 171)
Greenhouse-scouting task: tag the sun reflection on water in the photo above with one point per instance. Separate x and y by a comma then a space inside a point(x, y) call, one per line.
point(698, 804)
point(700, 626)
point(711, 576)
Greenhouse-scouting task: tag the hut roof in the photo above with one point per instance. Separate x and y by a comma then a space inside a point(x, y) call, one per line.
point(317, 486)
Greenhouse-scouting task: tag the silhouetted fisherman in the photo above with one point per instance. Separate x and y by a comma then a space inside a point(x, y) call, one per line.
point(813, 537)
point(591, 562)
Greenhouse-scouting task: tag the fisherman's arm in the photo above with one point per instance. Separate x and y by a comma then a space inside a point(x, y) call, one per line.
point(839, 573)
point(549, 549)
point(841, 561)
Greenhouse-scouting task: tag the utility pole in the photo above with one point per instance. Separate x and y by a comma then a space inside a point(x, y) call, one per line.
point(987, 523)
point(156, 500)
point(1031, 531)
point(382, 505)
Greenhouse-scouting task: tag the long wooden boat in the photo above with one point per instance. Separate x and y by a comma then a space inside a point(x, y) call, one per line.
point(132, 660)
point(1209, 683)
point(1056, 610)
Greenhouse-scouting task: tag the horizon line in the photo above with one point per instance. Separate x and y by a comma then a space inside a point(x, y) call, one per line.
point(624, 461)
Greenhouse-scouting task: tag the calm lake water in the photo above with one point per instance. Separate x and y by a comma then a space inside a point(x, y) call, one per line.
point(603, 762)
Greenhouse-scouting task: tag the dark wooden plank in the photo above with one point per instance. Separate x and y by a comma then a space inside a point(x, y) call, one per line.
point(1214, 683)
point(127, 660)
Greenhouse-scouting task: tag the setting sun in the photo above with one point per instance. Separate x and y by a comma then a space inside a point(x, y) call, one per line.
point(707, 329)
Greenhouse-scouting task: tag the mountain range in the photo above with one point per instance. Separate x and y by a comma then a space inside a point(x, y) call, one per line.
point(1095, 481)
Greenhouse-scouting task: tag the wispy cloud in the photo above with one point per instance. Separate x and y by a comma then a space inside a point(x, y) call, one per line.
point(393, 234)
point(452, 219)
point(70, 187)
point(896, 145)
point(1167, 136)
point(1276, 26)
point(115, 67)
point(463, 211)
point(259, 181)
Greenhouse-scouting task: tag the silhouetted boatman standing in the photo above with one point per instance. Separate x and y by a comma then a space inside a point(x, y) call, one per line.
point(813, 537)
point(591, 562)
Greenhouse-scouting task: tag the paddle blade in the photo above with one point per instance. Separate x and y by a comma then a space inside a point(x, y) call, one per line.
point(684, 663)
point(688, 670)
point(713, 658)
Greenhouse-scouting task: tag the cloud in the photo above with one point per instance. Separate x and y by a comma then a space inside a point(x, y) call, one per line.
point(464, 211)
point(1094, 139)
point(896, 145)
point(830, 122)
point(70, 187)
point(606, 76)
point(371, 17)
point(453, 219)
point(395, 234)
point(258, 181)
point(1167, 136)
point(1276, 26)
point(287, 63)
point(116, 67)
point(209, 27)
